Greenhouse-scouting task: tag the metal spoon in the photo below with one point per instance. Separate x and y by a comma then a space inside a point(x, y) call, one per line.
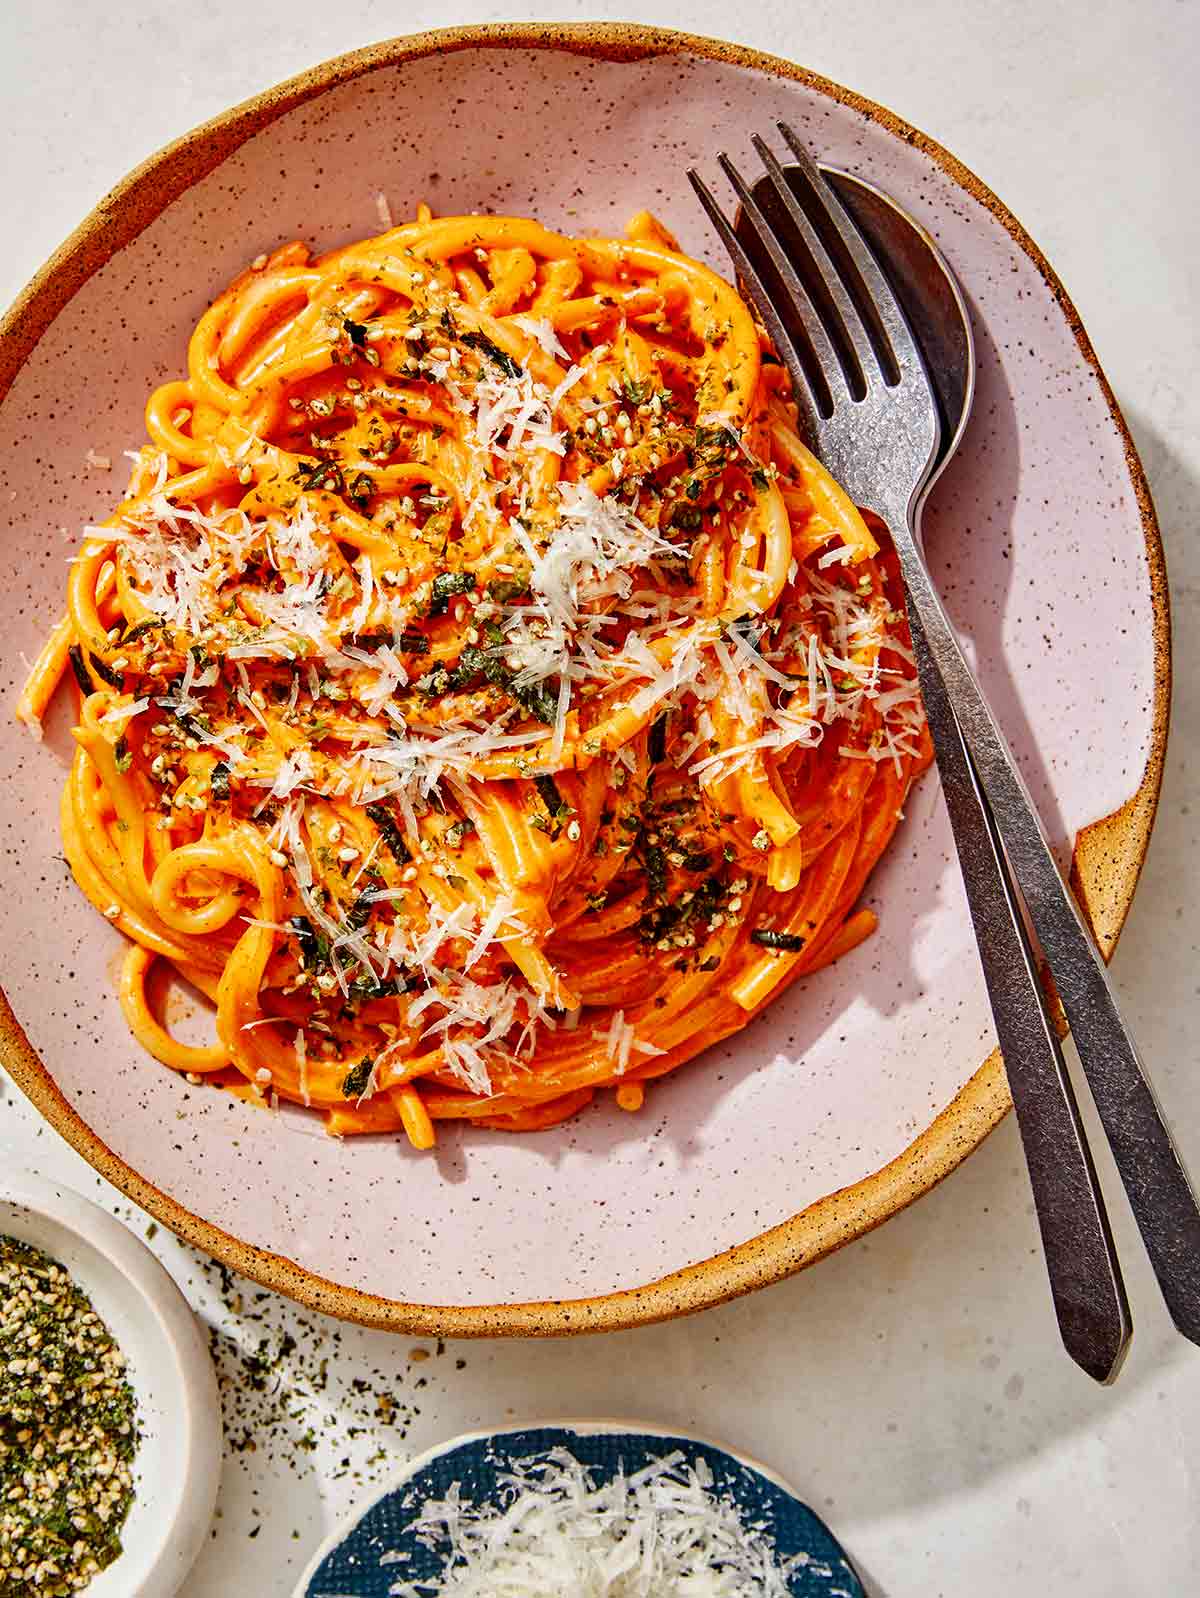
point(1085, 1278)
point(931, 299)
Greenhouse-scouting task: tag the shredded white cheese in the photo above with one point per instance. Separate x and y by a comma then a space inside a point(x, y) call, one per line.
point(554, 1532)
point(541, 328)
point(302, 1062)
point(620, 1040)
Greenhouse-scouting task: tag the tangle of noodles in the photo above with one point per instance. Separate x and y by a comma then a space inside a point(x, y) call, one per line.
point(484, 696)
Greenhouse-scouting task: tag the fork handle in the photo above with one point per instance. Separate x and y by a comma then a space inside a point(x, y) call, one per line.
point(1160, 1195)
point(1085, 1278)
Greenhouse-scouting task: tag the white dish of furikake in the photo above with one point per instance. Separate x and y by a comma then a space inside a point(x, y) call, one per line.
point(68, 1429)
point(110, 1423)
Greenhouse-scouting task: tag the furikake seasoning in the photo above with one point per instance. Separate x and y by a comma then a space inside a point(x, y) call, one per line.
point(68, 1430)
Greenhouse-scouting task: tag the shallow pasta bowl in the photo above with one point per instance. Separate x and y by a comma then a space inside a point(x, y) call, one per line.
point(859, 1088)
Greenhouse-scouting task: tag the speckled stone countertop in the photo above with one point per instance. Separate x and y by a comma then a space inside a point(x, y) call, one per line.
point(912, 1387)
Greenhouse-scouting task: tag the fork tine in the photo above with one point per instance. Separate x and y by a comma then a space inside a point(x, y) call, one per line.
point(821, 347)
point(806, 242)
point(892, 323)
point(809, 402)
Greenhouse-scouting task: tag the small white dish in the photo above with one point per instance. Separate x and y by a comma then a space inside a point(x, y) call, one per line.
point(178, 1462)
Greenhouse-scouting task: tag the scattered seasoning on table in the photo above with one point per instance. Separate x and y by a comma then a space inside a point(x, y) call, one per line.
point(295, 1386)
point(302, 1396)
point(68, 1430)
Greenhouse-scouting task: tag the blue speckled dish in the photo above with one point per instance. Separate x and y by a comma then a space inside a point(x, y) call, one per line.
point(349, 1565)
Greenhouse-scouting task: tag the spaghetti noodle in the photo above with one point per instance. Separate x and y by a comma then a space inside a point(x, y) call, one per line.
point(484, 696)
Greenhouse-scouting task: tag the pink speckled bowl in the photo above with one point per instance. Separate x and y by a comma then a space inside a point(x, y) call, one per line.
point(861, 1087)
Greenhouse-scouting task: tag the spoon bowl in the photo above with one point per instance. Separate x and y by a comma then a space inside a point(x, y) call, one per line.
point(930, 297)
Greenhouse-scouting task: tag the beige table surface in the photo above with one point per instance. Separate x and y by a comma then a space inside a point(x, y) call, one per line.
point(912, 1387)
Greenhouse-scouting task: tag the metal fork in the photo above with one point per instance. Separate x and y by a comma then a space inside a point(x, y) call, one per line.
point(867, 406)
point(1085, 1279)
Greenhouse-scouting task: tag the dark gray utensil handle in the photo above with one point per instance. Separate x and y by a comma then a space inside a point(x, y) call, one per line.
point(1160, 1194)
point(1085, 1278)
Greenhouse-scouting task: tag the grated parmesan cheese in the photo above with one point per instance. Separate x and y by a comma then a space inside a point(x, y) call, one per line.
point(302, 1062)
point(553, 1532)
point(620, 1040)
point(541, 328)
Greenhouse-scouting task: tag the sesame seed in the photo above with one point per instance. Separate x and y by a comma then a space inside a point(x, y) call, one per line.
point(68, 1407)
